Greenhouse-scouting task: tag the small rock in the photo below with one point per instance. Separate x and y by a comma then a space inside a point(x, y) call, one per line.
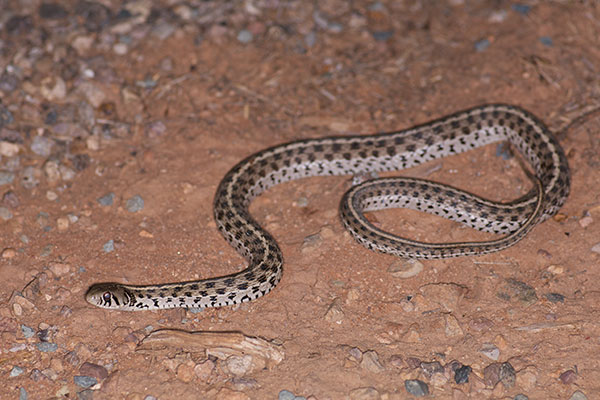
point(568, 377)
point(228, 394)
point(586, 221)
point(245, 36)
point(52, 196)
point(335, 312)
point(84, 381)
point(461, 375)
point(30, 178)
point(517, 290)
point(155, 129)
point(6, 177)
point(93, 370)
point(578, 395)
point(405, 268)
point(27, 331)
point(5, 214)
point(364, 393)
point(416, 387)
point(6, 117)
point(595, 248)
point(555, 297)
point(62, 223)
point(356, 354)
point(135, 204)
point(452, 327)
point(520, 397)
point(490, 350)
point(59, 269)
point(16, 371)
point(204, 370)
point(431, 368)
point(8, 253)
point(42, 146)
point(109, 246)
point(22, 394)
point(52, 171)
point(482, 45)
point(107, 199)
point(238, 365)
point(8, 149)
point(53, 88)
point(286, 395)
point(66, 173)
point(185, 372)
point(10, 199)
point(370, 362)
point(242, 384)
point(47, 347)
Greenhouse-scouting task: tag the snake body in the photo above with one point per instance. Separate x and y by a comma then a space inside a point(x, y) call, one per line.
point(346, 155)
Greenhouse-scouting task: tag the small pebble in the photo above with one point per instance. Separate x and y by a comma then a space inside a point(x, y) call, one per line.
point(84, 381)
point(461, 375)
point(62, 223)
point(22, 394)
point(6, 117)
point(405, 268)
point(10, 199)
point(30, 177)
point(596, 248)
point(370, 362)
point(482, 45)
point(521, 397)
point(431, 368)
point(135, 204)
point(6, 177)
point(107, 199)
point(555, 297)
point(586, 221)
point(8, 253)
point(578, 395)
point(50, 195)
point(5, 214)
point(382, 36)
point(490, 351)
point(286, 395)
point(47, 347)
point(109, 246)
point(41, 146)
point(245, 36)
point(568, 377)
point(27, 331)
point(416, 387)
point(546, 41)
point(8, 149)
point(16, 371)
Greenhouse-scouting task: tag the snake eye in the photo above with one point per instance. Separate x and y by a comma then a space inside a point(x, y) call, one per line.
point(107, 297)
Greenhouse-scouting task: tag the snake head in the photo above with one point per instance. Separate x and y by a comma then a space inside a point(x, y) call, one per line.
point(110, 295)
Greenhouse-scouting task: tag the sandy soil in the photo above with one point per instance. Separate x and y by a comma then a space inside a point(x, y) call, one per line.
point(161, 104)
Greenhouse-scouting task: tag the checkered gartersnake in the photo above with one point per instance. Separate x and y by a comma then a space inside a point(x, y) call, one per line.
point(346, 155)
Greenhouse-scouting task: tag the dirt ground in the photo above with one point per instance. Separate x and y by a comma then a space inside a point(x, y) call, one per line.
point(155, 102)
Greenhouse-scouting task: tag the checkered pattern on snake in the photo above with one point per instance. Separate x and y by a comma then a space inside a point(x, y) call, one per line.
point(347, 155)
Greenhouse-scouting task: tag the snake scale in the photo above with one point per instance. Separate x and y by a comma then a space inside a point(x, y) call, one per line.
point(346, 155)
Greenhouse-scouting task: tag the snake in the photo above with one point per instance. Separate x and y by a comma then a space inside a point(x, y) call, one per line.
point(357, 154)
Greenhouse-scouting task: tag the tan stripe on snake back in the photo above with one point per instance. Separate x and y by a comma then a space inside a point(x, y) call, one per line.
point(346, 155)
